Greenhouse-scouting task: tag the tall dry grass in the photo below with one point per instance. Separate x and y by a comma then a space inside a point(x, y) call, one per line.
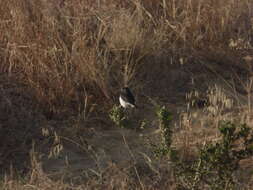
point(65, 57)
point(67, 51)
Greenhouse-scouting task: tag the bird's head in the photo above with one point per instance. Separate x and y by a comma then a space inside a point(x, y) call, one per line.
point(125, 88)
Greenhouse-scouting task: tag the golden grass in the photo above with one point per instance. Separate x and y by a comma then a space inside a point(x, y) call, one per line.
point(69, 59)
point(66, 51)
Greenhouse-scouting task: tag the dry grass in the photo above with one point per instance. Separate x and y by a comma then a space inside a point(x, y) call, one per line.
point(66, 51)
point(66, 60)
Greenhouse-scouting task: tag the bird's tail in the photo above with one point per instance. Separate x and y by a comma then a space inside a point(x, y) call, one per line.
point(135, 106)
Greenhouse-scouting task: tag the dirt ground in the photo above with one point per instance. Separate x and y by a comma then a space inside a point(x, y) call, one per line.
point(89, 148)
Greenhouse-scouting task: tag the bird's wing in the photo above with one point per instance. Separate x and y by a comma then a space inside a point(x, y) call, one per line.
point(130, 96)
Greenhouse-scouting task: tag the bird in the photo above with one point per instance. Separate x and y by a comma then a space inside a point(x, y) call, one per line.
point(126, 98)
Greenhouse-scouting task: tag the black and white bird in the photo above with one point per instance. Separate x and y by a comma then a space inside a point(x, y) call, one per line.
point(126, 98)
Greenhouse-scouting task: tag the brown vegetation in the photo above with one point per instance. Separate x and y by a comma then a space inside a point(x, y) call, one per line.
point(62, 64)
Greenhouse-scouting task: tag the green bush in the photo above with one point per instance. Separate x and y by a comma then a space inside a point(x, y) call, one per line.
point(164, 148)
point(216, 163)
point(118, 116)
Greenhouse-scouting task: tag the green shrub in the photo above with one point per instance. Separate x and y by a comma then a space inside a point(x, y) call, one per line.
point(118, 116)
point(164, 148)
point(216, 163)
